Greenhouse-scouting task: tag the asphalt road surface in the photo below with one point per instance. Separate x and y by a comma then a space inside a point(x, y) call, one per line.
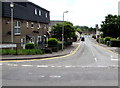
point(91, 65)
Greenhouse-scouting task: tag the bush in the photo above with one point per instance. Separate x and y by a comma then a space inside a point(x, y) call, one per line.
point(94, 36)
point(107, 39)
point(67, 43)
point(102, 40)
point(22, 52)
point(114, 43)
point(118, 38)
point(29, 46)
point(52, 42)
point(8, 52)
point(59, 45)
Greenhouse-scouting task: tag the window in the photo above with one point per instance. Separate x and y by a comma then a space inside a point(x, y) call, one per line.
point(35, 11)
point(27, 25)
point(46, 15)
point(17, 28)
point(32, 25)
point(32, 40)
point(45, 27)
point(38, 26)
point(40, 13)
point(39, 39)
point(23, 40)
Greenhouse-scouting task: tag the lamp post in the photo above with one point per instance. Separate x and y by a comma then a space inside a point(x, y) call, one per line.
point(63, 30)
point(11, 6)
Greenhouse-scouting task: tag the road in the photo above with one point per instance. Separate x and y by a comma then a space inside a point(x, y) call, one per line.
point(91, 65)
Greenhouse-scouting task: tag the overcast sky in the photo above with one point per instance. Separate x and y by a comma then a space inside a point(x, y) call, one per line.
point(81, 12)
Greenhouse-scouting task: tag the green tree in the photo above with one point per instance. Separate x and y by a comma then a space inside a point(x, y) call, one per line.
point(111, 26)
point(69, 30)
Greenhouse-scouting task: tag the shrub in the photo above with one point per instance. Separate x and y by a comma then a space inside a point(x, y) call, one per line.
point(94, 36)
point(102, 40)
point(118, 38)
point(67, 43)
point(22, 52)
point(29, 46)
point(59, 45)
point(0, 51)
point(114, 43)
point(52, 42)
point(8, 52)
point(107, 39)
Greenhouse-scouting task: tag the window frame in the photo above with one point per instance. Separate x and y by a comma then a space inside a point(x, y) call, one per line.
point(17, 27)
point(35, 12)
point(40, 13)
point(32, 24)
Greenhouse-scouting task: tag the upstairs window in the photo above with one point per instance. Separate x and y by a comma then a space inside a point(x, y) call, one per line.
point(38, 26)
point(40, 13)
point(17, 28)
point(46, 15)
point(35, 11)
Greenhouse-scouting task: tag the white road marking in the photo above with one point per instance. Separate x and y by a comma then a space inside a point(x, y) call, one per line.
point(52, 66)
point(55, 76)
point(42, 76)
point(59, 66)
point(1, 64)
point(114, 59)
point(95, 59)
point(67, 66)
point(44, 66)
point(12, 64)
point(27, 65)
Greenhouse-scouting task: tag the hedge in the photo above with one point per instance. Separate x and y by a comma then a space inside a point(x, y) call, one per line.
point(106, 39)
point(94, 36)
point(102, 40)
point(29, 46)
point(67, 43)
point(21, 52)
point(114, 43)
point(52, 42)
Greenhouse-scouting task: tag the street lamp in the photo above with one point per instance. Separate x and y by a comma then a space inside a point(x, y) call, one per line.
point(11, 6)
point(63, 30)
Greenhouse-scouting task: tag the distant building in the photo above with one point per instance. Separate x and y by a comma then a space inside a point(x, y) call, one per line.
point(30, 23)
point(53, 22)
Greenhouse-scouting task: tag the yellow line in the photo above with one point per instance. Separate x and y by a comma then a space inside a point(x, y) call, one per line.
point(73, 52)
point(108, 50)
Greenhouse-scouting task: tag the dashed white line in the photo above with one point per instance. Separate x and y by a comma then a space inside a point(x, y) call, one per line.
point(55, 76)
point(114, 59)
point(42, 76)
point(52, 66)
point(12, 64)
point(27, 65)
point(67, 66)
point(44, 66)
point(59, 66)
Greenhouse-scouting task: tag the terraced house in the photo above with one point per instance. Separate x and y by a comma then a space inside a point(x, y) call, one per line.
point(30, 23)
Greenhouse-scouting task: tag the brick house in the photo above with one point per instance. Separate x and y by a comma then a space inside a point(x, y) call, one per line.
point(30, 23)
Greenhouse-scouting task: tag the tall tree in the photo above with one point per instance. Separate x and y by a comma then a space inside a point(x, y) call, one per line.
point(111, 26)
point(69, 30)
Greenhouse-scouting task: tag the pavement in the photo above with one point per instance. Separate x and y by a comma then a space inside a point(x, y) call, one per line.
point(66, 51)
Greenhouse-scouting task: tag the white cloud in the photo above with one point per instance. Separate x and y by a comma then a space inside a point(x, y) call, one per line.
point(81, 12)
